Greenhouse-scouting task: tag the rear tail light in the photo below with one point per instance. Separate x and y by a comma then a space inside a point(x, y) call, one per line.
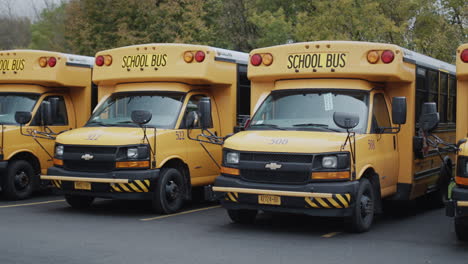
point(462, 171)
point(188, 56)
point(99, 60)
point(52, 61)
point(200, 56)
point(464, 55)
point(373, 57)
point(42, 62)
point(256, 60)
point(107, 60)
point(387, 56)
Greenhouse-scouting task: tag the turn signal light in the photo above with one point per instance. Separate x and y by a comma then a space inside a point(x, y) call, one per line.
point(42, 62)
point(99, 60)
point(231, 171)
point(200, 56)
point(373, 57)
point(256, 60)
point(461, 180)
point(132, 164)
point(52, 61)
point(267, 59)
point(58, 162)
point(387, 56)
point(107, 60)
point(188, 56)
point(464, 55)
point(329, 175)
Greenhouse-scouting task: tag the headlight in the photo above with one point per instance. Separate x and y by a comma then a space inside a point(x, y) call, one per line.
point(132, 153)
point(59, 151)
point(232, 157)
point(330, 162)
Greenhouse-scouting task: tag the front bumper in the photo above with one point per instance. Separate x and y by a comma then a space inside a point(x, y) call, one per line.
point(316, 199)
point(458, 205)
point(125, 184)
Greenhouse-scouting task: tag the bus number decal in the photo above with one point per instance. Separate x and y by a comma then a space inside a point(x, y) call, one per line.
point(371, 143)
point(278, 141)
point(144, 60)
point(180, 135)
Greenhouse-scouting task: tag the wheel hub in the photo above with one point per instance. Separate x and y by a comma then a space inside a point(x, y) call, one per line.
point(21, 180)
point(366, 206)
point(172, 190)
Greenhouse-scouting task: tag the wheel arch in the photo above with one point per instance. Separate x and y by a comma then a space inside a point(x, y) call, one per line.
point(179, 164)
point(29, 157)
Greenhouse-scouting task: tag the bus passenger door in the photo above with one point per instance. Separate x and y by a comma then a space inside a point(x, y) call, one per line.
point(202, 158)
point(385, 145)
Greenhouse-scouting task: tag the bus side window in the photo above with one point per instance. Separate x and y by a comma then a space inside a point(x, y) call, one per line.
point(60, 118)
point(380, 116)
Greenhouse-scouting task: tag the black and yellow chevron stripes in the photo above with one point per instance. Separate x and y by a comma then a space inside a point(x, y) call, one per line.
point(57, 184)
point(135, 186)
point(232, 196)
point(336, 201)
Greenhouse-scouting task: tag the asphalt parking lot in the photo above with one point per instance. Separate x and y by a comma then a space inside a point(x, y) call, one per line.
point(46, 230)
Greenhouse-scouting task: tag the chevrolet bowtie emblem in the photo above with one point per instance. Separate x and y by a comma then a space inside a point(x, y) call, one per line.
point(87, 156)
point(273, 166)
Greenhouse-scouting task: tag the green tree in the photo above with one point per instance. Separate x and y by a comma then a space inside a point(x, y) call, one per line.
point(48, 33)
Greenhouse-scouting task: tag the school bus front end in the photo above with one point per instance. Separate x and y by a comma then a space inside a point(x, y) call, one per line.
point(137, 143)
point(457, 206)
point(29, 81)
point(330, 136)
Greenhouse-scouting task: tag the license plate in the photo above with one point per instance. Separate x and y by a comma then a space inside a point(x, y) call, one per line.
point(317, 60)
point(83, 186)
point(269, 199)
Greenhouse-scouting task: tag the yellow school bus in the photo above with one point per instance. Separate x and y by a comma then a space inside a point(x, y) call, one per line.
point(457, 206)
point(322, 141)
point(53, 91)
point(136, 145)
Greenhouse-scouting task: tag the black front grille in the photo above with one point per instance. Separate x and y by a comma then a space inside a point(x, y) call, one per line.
point(285, 177)
point(90, 149)
point(88, 166)
point(269, 157)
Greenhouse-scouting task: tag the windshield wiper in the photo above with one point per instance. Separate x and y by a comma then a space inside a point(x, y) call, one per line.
point(268, 125)
point(324, 126)
point(99, 123)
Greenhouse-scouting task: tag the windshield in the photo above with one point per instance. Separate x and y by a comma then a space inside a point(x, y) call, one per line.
point(118, 108)
point(310, 110)
point(10, 103)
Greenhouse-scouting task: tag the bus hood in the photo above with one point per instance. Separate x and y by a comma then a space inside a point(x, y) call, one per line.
point(287, 141)
point(104, 136)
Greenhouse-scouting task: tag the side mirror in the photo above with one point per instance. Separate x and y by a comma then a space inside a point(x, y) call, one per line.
point(54, 101)
point(346, 120)
point(46, 113)
point(141, 117)
point(429, 119)
point(23, 118)
point(399, 110)
point(204, 106)
point(192, 119)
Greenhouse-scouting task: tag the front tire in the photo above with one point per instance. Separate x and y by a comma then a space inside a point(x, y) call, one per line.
point(20, 180)
point(461, 228)
point(244, 217)
point(364, 209)
point(169, 192)
point(79, 202)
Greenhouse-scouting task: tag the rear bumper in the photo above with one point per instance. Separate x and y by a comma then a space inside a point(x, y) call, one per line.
point(458, 205)
point(316, 199)
point(127, 185)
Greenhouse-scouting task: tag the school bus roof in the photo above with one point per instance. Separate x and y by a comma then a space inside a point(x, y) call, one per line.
point(45, 68)
point(166, 62)
point(462, 67)
point(340, 59)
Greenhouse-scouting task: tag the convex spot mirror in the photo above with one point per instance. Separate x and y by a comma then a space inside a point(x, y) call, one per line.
point(141, 117)
point(346, 120)
point(429, 119)
point(22, 117)
point(204, 106)
point(399, 110)
point(192, 119)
